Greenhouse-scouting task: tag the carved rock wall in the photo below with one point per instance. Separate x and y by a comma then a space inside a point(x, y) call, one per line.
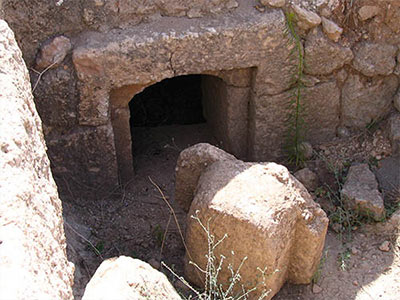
point(33, 261)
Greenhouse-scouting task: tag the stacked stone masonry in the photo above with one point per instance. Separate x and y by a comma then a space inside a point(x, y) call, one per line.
point(101, 53)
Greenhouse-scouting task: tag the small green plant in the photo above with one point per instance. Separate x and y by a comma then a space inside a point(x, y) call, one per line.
point(98, 248)
point(373, 125)
point(373, 163)
point(212, 289)
point(296, 125)
point(158, 233)
point(344, 258)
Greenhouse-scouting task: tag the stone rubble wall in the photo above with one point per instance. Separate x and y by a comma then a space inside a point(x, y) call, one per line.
point(33, 262)
point(352, 67)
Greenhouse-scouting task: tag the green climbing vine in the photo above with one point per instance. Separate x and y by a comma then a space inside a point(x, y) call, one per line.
point(296, 125)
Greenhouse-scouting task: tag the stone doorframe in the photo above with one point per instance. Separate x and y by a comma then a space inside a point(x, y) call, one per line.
point(225, 109)
point(248, 51)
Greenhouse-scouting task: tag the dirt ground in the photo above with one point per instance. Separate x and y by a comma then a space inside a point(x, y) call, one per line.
point(136, 221)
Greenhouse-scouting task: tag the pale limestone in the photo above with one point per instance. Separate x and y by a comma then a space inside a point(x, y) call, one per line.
point(260, 207)
point(127, 278)
point(33, 262)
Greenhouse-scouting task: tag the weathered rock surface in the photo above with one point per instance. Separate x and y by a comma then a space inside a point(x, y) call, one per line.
point(322, 110)
point(392, 17)
point(273, 3)
point(127, 278)
point(397, 69)
point(368, 11)
point(33, 263)
point(190, 165)
point(396, 101)
point(331, 29)
point(269, 218)
point(53, 53)
point(373, 59)
point(394, 220)
point(306, 18)
point(77, 250)
point(323, 56)
point(364, 101)
point(360, 192)
point(100, 171)
point(388, 176)
point(321, 102)
point(57, 98)
point(308, 178)
point(394, 132)
point(225, 109)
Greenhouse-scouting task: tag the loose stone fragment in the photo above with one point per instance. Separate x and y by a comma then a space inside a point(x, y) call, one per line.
point(331, 29)
point(368, 12)
point(273, 3)
point(360, 192)
point(385, 246)
point(53, 53)
point(306, 19)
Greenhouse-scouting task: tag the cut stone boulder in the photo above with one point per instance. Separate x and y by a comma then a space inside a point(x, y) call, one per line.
point(125, 278)
point(360, 192)
point(268, 217)
point(191, 164)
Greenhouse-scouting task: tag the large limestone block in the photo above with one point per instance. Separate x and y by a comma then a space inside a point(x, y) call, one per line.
point(268, 119)
point(323, 56)
point(125, 278)
point(33, 262)
point(365, 101)
point(99, 170)
point(269, 218)
point(375, 59)
point(191, 164)
point(56, 98)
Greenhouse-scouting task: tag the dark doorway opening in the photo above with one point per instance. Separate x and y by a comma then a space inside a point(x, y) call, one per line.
point(166, 118)
point(173, 101)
